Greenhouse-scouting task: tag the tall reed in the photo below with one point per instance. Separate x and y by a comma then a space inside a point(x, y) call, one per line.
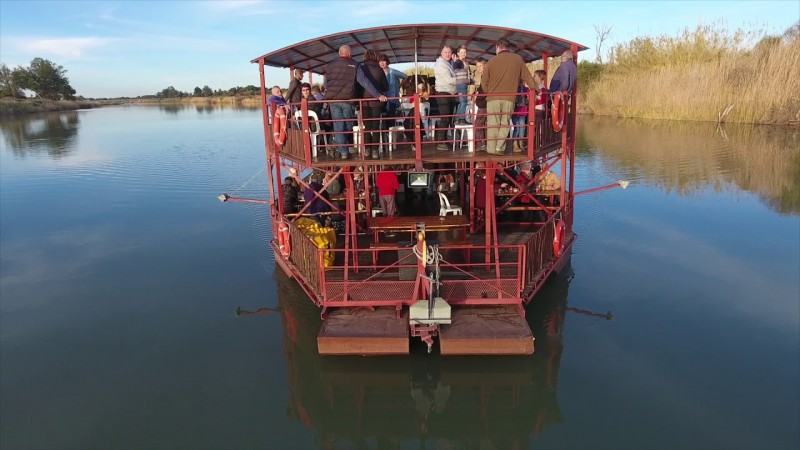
point(698, 74)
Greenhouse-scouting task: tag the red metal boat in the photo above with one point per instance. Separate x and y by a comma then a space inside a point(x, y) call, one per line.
point(461, 276)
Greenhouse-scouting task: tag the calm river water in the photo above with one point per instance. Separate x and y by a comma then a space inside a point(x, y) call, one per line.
point(121, 275)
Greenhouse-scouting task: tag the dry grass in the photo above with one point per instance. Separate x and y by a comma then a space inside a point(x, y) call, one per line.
point(11, 106)
point(697, 75)
point(217, 100)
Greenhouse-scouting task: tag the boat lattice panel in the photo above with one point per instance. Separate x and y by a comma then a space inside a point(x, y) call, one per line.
point(460, 290)
point(401, 291)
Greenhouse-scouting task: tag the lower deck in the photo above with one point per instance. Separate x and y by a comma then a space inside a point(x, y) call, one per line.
point(475, 330)
point(365, 290)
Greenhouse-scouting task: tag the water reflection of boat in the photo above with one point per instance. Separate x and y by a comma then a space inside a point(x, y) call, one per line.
point(453, 402)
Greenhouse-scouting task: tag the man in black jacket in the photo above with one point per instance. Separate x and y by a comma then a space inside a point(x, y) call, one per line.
point(294, 95)
point(341, 77)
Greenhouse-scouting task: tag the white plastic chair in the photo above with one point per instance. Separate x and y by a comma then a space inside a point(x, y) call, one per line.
point(425, 109)
point(467, 128)
point(316, 130)
point(445, 208)
point(357, 137)
point(392, 131)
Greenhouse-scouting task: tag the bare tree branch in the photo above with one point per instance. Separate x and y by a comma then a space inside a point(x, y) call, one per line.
point(602, 32)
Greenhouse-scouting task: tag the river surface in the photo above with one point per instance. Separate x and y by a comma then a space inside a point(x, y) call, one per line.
point(121, 276)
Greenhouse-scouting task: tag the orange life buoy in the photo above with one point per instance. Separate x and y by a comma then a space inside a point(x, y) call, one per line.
point(283, 239)
point(558, 239)
point(279, 126)
point(559, 113)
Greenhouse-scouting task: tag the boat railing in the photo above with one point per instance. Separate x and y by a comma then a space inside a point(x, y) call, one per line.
point(539, 253)
point(306, 257)
point(414, 126)
point(466, 277)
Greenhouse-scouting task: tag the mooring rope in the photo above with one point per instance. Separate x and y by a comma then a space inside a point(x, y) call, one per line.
point(248, 181)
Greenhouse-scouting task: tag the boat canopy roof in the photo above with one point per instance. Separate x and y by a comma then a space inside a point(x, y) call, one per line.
point(420, 42)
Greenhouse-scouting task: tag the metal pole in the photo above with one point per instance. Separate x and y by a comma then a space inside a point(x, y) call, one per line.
point(416, 68)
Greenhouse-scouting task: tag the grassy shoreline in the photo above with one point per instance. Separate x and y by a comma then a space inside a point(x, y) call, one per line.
point(702, 75)
point(13, 107)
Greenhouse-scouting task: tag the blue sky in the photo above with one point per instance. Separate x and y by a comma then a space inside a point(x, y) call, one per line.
point(132, 48)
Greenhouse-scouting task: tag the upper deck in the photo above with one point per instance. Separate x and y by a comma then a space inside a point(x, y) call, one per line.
point(411, 43)
point(408, 139)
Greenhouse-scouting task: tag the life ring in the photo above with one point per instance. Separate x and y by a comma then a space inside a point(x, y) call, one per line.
point(279, 126)
point(559, 240)
point(559, 112)
point(283, 239)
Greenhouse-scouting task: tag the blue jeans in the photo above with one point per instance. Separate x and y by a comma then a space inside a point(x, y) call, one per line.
point(519, 126)
point(343, 115)
point(461, 108)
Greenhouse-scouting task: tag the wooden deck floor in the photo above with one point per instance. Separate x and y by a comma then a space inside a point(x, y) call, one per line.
point(405, 154)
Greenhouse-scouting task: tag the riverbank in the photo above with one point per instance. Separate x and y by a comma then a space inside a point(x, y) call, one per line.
point(253, 100)
point(701, 75)
point(13, 107)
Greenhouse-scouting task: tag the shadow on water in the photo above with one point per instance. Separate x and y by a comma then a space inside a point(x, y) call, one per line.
point(171, 108)
point(54, 133)
point(689, 157)
point(439, 402)
point(204, 108)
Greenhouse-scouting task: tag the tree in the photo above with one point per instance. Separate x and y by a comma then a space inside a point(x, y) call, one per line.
point(45, 78)
point(8, 86)
point(603, 32)
point(171, 92)
point(198, 92)
point(207, 92)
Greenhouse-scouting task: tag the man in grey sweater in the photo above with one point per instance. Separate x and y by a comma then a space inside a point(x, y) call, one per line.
point(445, 85)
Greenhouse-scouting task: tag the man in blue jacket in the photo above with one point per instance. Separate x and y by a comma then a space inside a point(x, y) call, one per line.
point(341, 76)
point(566, 74)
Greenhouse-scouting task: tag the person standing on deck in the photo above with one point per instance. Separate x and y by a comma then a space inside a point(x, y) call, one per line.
point(388, 185)
point(341, 77)
point(290, 195)
point(463, 81)
point(395, 78)
point(445, 85)
point(500, 79)
point(294, 93)
point(566, 74)
point(371, 110)
point(480, 101)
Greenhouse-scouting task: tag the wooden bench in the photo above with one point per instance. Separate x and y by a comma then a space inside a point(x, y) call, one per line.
point(384, 245)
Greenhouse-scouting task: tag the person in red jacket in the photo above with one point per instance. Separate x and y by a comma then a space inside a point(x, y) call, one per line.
point(388, 185)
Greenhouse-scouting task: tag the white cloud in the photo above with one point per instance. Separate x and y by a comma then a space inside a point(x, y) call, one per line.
point(75, 48)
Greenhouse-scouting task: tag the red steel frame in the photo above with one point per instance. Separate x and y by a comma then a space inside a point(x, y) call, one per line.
point(491, 249)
